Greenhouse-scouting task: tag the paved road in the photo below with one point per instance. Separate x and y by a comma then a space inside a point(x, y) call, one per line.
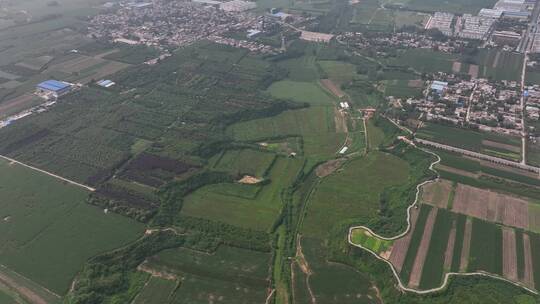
point(490, 158)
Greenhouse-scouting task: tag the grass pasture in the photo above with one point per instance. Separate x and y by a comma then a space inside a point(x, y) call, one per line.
point(308, 92)
point(48, 231)
point(244, 208)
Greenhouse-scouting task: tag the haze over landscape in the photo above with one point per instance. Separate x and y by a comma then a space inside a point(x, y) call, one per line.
point(269, 151)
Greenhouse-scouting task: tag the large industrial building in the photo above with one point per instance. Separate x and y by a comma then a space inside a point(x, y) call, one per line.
point(54, 87)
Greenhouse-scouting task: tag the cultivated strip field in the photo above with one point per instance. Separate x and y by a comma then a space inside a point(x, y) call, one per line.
point(422, 252)
point(399, 249)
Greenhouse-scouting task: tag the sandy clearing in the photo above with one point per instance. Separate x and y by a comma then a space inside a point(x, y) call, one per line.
point(250, 180)
point(418, 266)
point(340, 121)
point(449, 253)
point(464, 259)
point(332, 87)
point(528, 275)
point(329, 167)
point(494, 144)
point(437, 193)
point(456, 67)
point(509, 254)
point(491, 206)
point(400, 247)
point(473, 70)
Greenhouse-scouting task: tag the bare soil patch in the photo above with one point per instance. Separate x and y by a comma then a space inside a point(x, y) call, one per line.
point(418, 266)
point(329, 167)
point(332, 87)
point(400, 247)
point(448, 254)
point(528, 276)
point(466, 249)
point(250, 180)
point(491, 206)
point(416, 83)
point(456, 67)
point(437, 193)
point(473, 70)
point(341, 121)
point(498, 145)
point(26, 293)
point(509, 254)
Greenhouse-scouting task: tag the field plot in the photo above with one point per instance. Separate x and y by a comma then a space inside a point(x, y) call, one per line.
point(507, 147)
point(249, 206)
point(486, 248)
point(458, 7)
point(491, 206)
point(425, 61)
point(308, 92)
point(353, 193)
point(334, 282)
point(438, 194)
point(401, 245)
point(315, 125)
point(48, 231)
point(18, 104)
point(499, 65)
point(246, 161)
point(337, 71)
point(156, 290)
point(83, 68)
point(230, 275)
point(402, 89)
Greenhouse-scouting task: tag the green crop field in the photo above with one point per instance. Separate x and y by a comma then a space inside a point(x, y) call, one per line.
point(6, 298)
point(48, 231)
point(334, 282)
point(216, 203)
point(458, 7)
point(425, 61)
point(227, 264)
point(416, 238)
point(353, 193)
point(202, 290)
point(469, 139)
point(499, 65)
point(231, 274)
point(535, 251)
point(339, 72)
point(308, 92)
point(315, 125)
point(156, 290)
point(486, 247)
point(433, 269)
point(401, 89)
point(245, 161)
point(458, 243)
point(364, 238)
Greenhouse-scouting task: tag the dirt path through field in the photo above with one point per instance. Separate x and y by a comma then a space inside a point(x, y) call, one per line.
point(400, 247)
point(449, 253)
point(464, 260)
point(418, 266)
point(304, 266)
point(26, 293)
point(509, 254)
point(528, 275)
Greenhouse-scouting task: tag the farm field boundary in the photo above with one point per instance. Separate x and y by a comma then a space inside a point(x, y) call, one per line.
point(49, 173)
point(407, 230)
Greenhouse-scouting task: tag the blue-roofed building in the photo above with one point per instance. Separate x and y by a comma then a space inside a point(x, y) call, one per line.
point(54, 87)
point(439, 86)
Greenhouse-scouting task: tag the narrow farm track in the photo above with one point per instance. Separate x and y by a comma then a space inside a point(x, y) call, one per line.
point(447, 276)
point(11, 160)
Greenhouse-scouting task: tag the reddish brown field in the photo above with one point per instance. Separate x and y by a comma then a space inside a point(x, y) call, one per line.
point(416, 272)
point(528, 276)
point(436, 194)
point(448, 254)
point(491, 206)
point(464, 260)
point(399, 249)
point(332, 87)
point(473, 70)
point(509, 254)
